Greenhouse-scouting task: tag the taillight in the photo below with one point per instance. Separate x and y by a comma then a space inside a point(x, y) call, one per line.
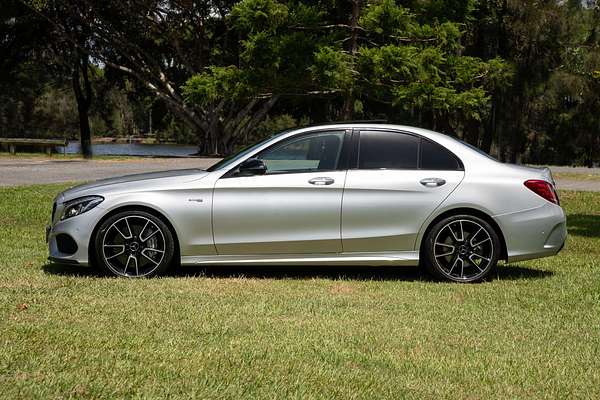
point(543, 189)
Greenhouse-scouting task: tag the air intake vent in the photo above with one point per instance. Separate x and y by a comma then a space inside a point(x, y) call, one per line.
point(66, 244)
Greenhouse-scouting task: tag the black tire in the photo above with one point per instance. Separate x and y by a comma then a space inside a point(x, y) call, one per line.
point(448, 250)
point(146, 250)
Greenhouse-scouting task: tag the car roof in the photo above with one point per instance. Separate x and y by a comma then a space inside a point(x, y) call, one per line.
point(468, 155)
point(463, 151)
point(367, 125)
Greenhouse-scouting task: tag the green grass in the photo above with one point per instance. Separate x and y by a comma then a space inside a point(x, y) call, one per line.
point(532, 331)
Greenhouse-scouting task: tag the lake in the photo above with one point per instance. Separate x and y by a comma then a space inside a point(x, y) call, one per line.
point(134, 149)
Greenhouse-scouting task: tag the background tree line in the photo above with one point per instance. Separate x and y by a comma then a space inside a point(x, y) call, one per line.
point(518, 78)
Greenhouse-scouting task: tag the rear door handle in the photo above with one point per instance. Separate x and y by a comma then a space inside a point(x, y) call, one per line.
point(432, 182)
point(321, 181)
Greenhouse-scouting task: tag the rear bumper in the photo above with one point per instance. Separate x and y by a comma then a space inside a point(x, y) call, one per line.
point(534, 233)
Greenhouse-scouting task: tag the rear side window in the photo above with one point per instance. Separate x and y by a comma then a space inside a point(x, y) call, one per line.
point(387, 150)
point(436, 157)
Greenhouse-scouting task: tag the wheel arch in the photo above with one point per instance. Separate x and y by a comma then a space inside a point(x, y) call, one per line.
point(467, 211)
point(133, 207)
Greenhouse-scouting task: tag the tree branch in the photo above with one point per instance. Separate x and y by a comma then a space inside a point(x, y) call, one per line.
point(266, 107)
point(321, 27)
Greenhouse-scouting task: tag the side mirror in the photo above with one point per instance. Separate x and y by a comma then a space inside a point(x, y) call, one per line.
point(251, 167)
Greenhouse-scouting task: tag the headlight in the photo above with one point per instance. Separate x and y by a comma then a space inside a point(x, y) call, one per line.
point(80, 205)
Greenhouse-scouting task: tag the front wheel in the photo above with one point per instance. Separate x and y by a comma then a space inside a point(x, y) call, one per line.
point(461, 248)
point(134, 244)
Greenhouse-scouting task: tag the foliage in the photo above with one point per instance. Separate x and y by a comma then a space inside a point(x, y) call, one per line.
point(516, 78)
point(332, 69)
point(215, 84)
point(276, 124)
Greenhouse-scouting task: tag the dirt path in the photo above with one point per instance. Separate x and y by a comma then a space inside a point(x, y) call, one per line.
point(584, 185)
point(577, 178)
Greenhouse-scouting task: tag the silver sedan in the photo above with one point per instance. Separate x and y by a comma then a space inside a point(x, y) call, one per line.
point(367, 194)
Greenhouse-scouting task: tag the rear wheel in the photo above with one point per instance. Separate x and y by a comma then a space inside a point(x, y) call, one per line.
point(134, 244)
point(461, 248)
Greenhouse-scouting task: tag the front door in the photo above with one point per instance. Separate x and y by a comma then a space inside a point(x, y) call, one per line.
point(397, 181)
point(294, 208)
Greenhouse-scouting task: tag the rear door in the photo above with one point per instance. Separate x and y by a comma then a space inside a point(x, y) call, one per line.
point(396, 182)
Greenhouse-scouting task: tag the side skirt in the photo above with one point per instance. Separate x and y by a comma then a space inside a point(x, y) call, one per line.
point(408, 258)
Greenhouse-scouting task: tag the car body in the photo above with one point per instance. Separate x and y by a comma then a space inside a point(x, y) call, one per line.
point(367, 197)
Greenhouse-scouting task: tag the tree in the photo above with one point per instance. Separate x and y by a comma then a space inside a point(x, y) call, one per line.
point(44, 41)
point(273, 61)
point(516, 78)
point(529, 35)
point(158, 43)
point(21, 79)
point(565, 117)
point(417, 68)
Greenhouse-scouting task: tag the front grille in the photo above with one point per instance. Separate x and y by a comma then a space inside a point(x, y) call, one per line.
point(53, 211)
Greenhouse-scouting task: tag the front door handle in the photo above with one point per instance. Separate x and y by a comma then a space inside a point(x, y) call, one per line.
point(321, 181)
point(432, 182)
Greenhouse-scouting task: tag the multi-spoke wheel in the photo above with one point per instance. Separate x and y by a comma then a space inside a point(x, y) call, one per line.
point(134, 244)
point(461, 248)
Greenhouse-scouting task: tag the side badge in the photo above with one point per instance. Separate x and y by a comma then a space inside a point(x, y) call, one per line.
point(196, 200)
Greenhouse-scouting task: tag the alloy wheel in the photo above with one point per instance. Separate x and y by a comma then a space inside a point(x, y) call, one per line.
point(463, 250)
point(133, 246)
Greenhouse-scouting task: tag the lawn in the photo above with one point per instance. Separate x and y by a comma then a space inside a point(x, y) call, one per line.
point(532, 331)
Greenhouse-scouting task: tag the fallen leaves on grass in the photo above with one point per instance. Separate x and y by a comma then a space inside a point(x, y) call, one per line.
point(342, 288)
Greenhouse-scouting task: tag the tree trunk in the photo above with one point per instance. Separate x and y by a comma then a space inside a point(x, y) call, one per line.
point(83, 96)
point(443, 125)
point(489, 130)
point(348, 106)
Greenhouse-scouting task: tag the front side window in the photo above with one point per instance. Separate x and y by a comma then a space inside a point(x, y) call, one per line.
point(314, 152)
point(387, 150)
point(231, 159)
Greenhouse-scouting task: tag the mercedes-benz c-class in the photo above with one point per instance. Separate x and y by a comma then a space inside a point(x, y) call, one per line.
point(366, 194)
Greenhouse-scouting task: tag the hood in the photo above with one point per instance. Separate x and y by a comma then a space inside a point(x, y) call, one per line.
point(132, 182)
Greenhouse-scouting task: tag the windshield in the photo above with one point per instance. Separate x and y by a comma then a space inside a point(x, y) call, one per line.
point(243, 152)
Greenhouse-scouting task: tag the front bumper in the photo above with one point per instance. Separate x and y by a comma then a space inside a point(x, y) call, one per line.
point(79, 229)
point(62, 260)
point(536, 233)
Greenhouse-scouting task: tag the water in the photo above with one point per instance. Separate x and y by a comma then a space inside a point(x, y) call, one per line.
point(134, 149)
